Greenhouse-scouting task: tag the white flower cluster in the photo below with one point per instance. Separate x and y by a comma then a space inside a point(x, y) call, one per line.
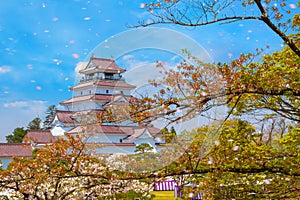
point(88, 179)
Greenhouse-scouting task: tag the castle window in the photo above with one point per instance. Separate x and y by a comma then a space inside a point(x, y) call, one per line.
point(109, 76)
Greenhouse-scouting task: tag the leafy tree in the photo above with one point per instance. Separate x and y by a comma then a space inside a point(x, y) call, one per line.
point(169, 135)
point(243, 85)
point(227, 159)
point(50, 114)
point(240, 165)
point(17, 135)
point(143, 148)
point(66, 170)
point(35, 124)
point(173, 131)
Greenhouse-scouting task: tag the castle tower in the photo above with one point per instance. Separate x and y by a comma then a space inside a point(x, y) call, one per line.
point(101, 84)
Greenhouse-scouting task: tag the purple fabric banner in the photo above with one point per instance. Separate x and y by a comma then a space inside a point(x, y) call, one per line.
point(165, 185)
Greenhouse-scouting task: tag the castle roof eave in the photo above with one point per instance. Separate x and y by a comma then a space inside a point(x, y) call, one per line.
point(101, 65)
point(93, 97)
point(103, 84)
point(95, 70)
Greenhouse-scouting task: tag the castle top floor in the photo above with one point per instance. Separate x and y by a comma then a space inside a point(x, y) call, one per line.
point(101, 69)
point(101, 65)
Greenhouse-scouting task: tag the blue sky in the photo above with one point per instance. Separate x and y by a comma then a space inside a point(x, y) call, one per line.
point(42, 41)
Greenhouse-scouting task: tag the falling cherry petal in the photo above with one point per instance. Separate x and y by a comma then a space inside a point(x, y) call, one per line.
point(143, 5)
point(75, 55)
point(29, 67)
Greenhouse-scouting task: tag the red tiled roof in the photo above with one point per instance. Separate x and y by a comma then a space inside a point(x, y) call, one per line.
point(39, 136)
point(103, 97)
point(153, 130)
point(102, 64)
point(104, 83)
point(115, 97)
point(102, 129)
point(65, 116)
point(77, 99)
point(137, 133)
point(139, 130)
point(15, 149)
point(108, 129)
point(87, 84)
point(115, 84)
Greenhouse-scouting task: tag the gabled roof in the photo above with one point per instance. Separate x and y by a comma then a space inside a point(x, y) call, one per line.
point(101, 65)
point(138, 133)
point(120, 99)
point(114, 84)
point(103, 83)
point(153, 130)
point(65, 116)
point(15, 149)
point(39, 136)
point(102, 97)
point(77, 99)
point(109, 129)
point(102, 129)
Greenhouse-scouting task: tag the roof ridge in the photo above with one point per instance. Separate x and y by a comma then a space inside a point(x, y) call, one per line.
point(110, 59)
point(19, 143)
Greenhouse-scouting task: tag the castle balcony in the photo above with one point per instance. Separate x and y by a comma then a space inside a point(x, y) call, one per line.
point(84, 79)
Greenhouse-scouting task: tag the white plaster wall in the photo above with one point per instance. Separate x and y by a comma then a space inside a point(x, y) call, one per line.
point(86, 105)
point(115, 149)
point(5, 161)
point(106, 138)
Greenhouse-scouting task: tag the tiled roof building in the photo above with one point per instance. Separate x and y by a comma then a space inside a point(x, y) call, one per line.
point(10, 150)
point(39, 137)
point(15, 149)
point(101, 86)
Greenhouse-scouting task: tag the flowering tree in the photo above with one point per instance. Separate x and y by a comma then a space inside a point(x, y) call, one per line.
point(242, 84)
point(275, 14)
point(241, 164)
point(66, 170)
